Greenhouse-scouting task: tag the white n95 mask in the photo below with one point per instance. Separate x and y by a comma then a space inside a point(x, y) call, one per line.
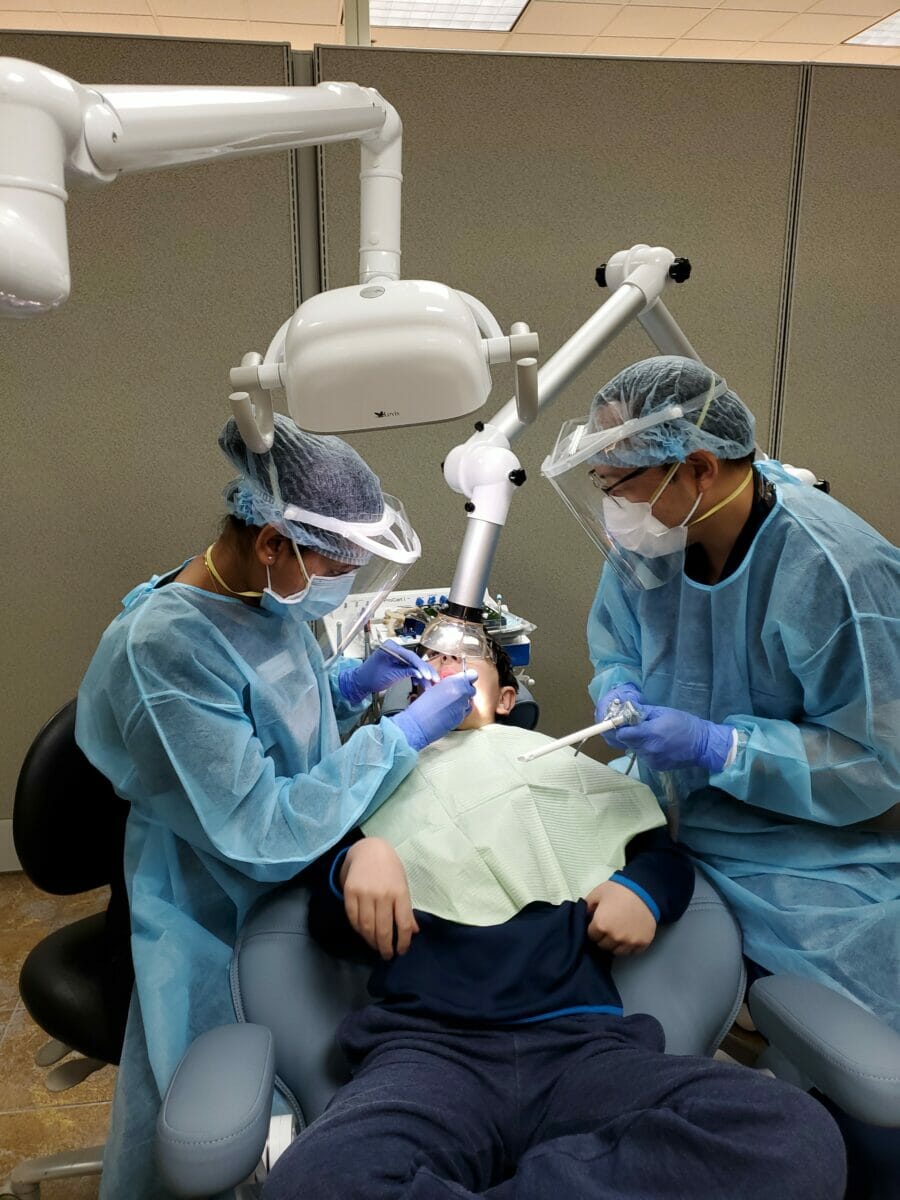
point(632, 525)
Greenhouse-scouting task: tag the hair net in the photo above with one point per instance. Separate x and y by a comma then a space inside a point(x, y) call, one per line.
point(727, 428)
point(319, 473)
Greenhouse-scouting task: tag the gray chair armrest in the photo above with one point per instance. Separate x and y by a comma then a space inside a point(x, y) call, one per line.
point(850, 1055)
point(692, 976)
point(214, 1119)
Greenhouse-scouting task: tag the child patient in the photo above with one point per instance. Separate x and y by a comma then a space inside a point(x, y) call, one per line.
point(495, 1059)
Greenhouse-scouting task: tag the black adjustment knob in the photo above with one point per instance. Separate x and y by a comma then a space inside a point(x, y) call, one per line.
point(470, 507)
point(680, 270)
point(479, 426)
point(517, 476)
point(600, 275)
point(823, 485)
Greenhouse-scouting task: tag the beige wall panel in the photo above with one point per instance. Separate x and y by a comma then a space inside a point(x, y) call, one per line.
point(109, 461)
point(841, 415)
point(522, 173)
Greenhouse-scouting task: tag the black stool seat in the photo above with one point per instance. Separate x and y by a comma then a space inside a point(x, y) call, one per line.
point(76, 986)
point(69, 832)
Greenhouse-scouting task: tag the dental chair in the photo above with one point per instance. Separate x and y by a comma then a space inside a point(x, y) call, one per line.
point(290, 996)
point(218, 1130)
point(214, 1131)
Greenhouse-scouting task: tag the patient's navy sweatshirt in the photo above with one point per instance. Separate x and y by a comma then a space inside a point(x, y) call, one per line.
point(538, 965)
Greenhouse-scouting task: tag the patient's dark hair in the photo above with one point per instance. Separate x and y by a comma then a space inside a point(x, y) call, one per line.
point(503, 665)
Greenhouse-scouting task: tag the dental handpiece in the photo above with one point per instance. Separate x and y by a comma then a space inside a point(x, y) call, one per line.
point(625, 714)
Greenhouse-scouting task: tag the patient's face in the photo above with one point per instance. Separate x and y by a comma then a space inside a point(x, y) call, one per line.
point(490, 698)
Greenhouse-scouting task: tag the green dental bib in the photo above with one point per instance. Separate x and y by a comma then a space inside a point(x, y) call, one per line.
point(481, 834)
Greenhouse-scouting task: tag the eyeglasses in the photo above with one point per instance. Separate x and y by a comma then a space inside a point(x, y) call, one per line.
point(608, 489)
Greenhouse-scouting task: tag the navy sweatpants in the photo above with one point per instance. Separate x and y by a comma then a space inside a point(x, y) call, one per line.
point(577, 1108)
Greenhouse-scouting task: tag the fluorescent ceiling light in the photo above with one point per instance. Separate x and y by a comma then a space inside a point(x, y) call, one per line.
point(447, 14)
point(884, 33)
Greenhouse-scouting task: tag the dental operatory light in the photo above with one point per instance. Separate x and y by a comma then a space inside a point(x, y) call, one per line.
point(385, 352)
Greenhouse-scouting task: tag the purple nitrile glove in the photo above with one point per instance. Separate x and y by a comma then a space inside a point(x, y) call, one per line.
point(386, 665)
point(621, 692)
point(437, 711)
point(668, 738)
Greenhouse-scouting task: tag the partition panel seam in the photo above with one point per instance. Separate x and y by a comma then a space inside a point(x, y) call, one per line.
point(792, 231)
point(320, 171)
point(295, 198)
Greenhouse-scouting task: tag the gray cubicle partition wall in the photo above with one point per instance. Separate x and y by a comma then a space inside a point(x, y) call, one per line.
point(841, 413)
point(521, 174)
point(110, 469)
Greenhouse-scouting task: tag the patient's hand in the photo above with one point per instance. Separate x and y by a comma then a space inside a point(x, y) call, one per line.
point(376, 896)
point(620, 920)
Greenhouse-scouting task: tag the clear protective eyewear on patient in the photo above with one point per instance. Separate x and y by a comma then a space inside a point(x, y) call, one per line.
point(455, 638)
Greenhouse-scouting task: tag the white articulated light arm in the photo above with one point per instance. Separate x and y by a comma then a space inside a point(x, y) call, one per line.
point(56, 133)
point(637, 278)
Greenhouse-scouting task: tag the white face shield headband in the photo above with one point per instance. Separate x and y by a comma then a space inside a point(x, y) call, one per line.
point(392, 545)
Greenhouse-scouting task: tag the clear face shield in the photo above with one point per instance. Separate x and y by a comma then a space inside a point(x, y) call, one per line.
point(393, 545)
point(644, 553)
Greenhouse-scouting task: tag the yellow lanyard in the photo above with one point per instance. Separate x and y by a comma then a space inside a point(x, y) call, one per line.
point(728, 499)
point(207, 558)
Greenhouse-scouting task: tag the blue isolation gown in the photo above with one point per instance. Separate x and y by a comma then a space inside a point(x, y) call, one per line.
point(799, 649)
point(220, 724)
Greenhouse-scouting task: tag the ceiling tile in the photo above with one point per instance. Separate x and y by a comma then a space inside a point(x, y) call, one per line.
point(676, 3)
point(861, 8)
point(786, 6)
point(739, 25)
point(639, 20)
point(817, 28)
point(209, 29)
point(848, 54)
point(635, 47)
point(109, 23)
point(700, 48)
point(546, 43)
point(437, 39)
point(465, 39)
point(295, 12)
point(31, 20)
point(562, 17)
point(396, 35)
point(217, 10)
point(300, 37)
point(782, 52)
point(137, 7)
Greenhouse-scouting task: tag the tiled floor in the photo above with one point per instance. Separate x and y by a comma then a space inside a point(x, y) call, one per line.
point(33, 1120)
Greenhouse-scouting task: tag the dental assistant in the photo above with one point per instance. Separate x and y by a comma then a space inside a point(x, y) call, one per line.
point(210, 708)
point(756, 620)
